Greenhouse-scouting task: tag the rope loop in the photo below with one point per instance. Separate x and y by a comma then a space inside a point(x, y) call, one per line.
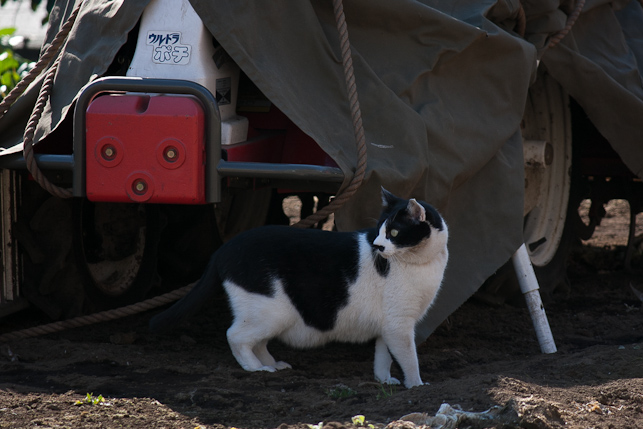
point(27, 149)
point(356, 114)
point(571, 20)
point(103, 316)
point(50, 52)
point(43, 97)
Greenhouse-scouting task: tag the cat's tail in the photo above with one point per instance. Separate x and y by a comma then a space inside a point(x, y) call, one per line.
point(201, 293)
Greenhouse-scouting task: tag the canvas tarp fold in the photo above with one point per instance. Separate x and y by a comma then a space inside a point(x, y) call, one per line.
point(442, 88)
point(441, 101)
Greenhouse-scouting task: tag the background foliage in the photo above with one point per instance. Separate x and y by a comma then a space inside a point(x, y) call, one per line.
point(12, 66)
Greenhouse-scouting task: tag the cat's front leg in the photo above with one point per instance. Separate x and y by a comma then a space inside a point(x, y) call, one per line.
point(382, 363)
point(401, 343)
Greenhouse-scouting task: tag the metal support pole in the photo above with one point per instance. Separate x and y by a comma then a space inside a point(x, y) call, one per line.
point(529, 287)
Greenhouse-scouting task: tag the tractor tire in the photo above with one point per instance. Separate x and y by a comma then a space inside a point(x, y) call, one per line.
point(116, 248)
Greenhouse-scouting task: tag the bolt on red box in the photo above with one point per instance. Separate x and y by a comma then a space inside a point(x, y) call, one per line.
point(145, 148)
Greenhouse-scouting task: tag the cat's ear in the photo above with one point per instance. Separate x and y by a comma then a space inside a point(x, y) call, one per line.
point(416, 211)
point(388, 199)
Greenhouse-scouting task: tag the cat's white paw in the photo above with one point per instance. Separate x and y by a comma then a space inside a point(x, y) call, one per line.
point(409, 385)
point(389, 380)
point(282, 365)
point(266, 368)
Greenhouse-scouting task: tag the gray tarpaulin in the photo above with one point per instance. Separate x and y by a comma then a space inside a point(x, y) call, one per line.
point(442, 87)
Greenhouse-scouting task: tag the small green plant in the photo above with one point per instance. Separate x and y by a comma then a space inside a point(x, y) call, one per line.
point(90, 399)
point(386, 391)
point(340, 391)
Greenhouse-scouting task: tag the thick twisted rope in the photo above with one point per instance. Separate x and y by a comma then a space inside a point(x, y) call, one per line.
point(356, 114)
point(30, 130)
point(27, 149)
point(102, 316)
point(556, 38)
point(52, 50)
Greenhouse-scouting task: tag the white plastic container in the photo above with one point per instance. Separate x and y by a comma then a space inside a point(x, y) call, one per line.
point(173, 43)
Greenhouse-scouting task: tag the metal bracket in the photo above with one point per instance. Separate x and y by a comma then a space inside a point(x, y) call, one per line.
point(216, 168)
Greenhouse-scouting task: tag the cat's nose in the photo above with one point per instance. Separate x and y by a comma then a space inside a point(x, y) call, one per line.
point(380, 248)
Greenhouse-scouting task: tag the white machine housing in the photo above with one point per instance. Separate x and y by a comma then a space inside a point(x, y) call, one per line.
point(173, 43)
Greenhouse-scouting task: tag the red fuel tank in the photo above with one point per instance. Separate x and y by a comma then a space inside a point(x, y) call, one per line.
point(145, 148)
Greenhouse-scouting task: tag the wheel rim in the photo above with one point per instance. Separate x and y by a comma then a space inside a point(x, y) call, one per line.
point(546, 119)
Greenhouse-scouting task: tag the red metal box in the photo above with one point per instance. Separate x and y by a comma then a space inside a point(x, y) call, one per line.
point(145, 148)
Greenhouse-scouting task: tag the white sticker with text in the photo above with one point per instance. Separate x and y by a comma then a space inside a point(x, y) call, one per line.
point(168, 48)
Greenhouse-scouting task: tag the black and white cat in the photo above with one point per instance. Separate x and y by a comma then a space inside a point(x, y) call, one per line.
point(308, 287)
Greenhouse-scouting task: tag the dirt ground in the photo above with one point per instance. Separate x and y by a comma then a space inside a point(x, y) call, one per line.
point(481, 357)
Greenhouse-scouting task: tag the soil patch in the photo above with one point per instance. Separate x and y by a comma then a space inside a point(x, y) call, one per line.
point(481, 357)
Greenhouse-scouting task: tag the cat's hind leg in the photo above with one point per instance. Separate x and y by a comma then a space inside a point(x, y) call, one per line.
point(257, 319)
point(243, 345)
point(261, 351)
point(382, 363)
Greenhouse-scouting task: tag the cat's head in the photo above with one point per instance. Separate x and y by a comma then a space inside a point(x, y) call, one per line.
point(409, 226)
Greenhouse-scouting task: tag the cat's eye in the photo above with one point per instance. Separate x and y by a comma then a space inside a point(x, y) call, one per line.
point(394, 232)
